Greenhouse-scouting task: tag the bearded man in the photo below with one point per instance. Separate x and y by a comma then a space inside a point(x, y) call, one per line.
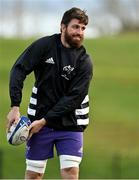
point(59, 104)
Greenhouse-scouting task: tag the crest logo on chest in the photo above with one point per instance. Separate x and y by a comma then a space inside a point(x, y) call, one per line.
point(67, 71)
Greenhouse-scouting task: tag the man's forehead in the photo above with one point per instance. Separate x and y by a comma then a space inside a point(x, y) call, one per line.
point(76, 21)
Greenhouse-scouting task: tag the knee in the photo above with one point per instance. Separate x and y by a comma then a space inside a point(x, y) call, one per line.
point(70, 173)
point(33, 175)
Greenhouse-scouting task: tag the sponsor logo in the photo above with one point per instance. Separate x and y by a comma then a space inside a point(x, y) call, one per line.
point(27, 149)
point(80, 150)
point(50, 61)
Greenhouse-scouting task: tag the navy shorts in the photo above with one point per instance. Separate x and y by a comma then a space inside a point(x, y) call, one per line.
point(41, 145)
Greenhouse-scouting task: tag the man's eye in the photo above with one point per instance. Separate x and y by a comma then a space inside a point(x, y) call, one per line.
point(75, 26)
point(83, 28)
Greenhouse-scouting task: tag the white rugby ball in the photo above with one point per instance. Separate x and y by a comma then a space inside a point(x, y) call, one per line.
point(19, 132)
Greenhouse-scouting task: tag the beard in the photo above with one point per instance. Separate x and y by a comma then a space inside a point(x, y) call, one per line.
point(74, 40)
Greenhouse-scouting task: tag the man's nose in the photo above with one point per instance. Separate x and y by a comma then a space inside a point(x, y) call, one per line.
point(80, 31)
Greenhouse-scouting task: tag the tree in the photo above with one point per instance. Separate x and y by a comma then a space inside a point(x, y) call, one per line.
point(18, 15)
point(127, 11)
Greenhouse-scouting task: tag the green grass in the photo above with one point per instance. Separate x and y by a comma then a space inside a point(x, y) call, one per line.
point(111, 148)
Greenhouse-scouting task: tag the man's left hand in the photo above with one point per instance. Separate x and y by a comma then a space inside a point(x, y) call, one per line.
point(36, 126)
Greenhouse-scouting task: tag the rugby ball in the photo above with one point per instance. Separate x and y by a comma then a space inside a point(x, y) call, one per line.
point(19, 132)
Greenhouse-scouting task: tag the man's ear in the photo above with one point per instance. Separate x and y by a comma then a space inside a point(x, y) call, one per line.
point(63, 27)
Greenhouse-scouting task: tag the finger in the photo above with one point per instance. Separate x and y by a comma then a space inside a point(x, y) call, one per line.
point(10, 123)
point(30, 131)
point(30, 135)
point(8, 127)
point(16, 121)
point(30, 127)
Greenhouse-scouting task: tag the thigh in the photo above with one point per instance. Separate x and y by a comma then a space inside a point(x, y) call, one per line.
point(69, 143)
point(40, 146)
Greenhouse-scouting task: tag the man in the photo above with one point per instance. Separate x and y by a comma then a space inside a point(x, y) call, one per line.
point(59, 104)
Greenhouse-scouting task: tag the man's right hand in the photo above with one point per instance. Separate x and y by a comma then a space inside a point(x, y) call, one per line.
point(13, 116)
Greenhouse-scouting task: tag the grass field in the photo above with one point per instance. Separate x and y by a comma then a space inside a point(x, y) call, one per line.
point(111, 145)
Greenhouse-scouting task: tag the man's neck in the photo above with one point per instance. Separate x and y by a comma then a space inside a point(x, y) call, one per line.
point(65, 44)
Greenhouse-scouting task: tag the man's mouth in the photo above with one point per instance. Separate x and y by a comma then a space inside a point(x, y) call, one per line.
point(77, 37)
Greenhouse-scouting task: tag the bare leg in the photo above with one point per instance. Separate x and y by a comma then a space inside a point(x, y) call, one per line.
point(33, 175)
point(70, 173)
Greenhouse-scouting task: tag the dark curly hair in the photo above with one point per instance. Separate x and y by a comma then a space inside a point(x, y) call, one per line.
point(74, 13)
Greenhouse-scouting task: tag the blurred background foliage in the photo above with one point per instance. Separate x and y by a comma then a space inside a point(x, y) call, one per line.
point(25, 18)
point(111, 148)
